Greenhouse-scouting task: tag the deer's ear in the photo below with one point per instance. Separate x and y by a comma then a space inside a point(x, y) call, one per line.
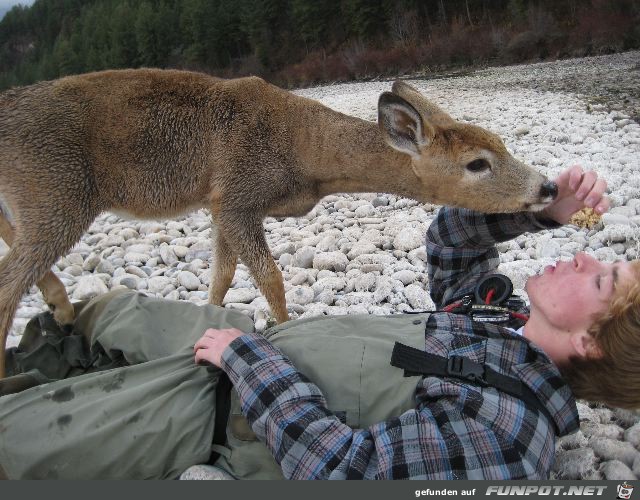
point(402, 88)
point(401, 124)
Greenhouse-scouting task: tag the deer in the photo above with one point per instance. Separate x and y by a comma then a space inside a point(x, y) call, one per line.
point(151, 143)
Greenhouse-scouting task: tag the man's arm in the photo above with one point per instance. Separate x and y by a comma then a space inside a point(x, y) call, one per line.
point(289, 414)
point(461, 247)
point(461, 243)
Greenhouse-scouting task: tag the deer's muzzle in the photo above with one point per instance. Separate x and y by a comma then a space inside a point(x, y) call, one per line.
point(549, 190)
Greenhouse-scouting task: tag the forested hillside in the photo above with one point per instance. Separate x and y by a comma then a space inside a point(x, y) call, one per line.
point(298, 42)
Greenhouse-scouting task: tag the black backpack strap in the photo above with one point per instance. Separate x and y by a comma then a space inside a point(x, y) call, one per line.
point(416, 362)
point(223, 408)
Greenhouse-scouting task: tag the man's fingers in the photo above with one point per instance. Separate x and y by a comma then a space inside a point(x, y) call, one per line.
point(603, 206)
point(596, 193)
point(575, 177)
point(203, 343)
point(200, 357)
point(588, 181)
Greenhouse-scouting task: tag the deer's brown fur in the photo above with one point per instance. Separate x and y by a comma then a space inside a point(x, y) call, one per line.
point(154, 143)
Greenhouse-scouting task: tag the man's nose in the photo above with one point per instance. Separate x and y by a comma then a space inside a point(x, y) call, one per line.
point(582, 261)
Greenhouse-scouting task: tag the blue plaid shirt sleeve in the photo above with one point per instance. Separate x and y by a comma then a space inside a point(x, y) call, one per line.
point(461, 247)
point(289, 414)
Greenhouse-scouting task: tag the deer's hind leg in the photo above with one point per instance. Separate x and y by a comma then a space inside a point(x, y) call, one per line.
point(35, 248)
point(53, 291)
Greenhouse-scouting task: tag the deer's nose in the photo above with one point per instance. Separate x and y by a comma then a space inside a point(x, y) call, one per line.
point(549, 189)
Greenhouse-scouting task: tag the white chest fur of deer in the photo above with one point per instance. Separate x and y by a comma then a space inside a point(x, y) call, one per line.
point(155, 143)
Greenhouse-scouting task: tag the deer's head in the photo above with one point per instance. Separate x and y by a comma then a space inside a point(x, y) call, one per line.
point(456, 163)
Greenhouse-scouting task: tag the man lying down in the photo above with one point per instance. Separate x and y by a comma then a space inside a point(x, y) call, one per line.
point(479, 389)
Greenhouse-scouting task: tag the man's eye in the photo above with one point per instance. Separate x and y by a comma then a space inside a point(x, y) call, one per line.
point(598, 282)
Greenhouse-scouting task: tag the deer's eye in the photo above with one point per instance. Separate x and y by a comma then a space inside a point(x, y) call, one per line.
point(479, 165)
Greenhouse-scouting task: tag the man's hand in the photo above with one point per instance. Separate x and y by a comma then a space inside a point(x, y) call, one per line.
point(577, 189)
point(210, 346)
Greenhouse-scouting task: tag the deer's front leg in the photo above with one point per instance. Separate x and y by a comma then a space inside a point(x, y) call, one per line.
point(245, 235)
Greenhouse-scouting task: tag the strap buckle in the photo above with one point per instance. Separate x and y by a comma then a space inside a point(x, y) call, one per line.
point(464, 368)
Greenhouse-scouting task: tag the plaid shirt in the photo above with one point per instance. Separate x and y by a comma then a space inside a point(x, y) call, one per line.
point(457, 430)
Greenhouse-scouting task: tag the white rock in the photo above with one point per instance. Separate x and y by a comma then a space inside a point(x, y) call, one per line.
point(129, 281)
point(615, 470)
point(572, 441)
point(548, 249)
point(136, 257)
point(327, 243)
point(365, 282)
point(151, 227)
point(248, 309)
point(575, 464)
point(408, 239)
point(611, 431)
point(188, 280)
point(136, 271)
point(418, 256)
point(325, 297)
point(405, 276)
point(626, 418)
point(636, 466)
point(635, 204)
point(128, 233)
point(91, 262)
point(361, 248)
point(285, 259)
point(89, 287)
point(384, 288)
point(139, 248)
point(181, 251)
point(610, 219)
point(303, 257)
point(610, 449)
point(301, 295)
point(357, 309)
point(331, 283)
point(158, 283)
point(365, 211)
point(299, 278)
point(104, 266)
point(625, 211)
point(283, 248)
point(605, 254)
point(73, 270)
point(168, 255)
point(243, 295)
point(418, 298)
point(27, 312)
point(333, 261)
point(75, 259)
point(314, 310)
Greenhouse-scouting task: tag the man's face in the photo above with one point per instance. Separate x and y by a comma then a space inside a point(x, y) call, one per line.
point(570, 293)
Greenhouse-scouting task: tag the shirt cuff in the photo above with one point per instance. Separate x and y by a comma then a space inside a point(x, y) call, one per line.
point(245, 352)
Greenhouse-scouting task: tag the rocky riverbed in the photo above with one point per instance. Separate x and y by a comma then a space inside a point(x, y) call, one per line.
point(365, 253)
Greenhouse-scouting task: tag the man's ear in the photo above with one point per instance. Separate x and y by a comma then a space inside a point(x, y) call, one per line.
point(585, 345)
point(401, 125)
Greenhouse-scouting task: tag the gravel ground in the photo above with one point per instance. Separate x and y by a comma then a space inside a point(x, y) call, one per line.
point(365, 253)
